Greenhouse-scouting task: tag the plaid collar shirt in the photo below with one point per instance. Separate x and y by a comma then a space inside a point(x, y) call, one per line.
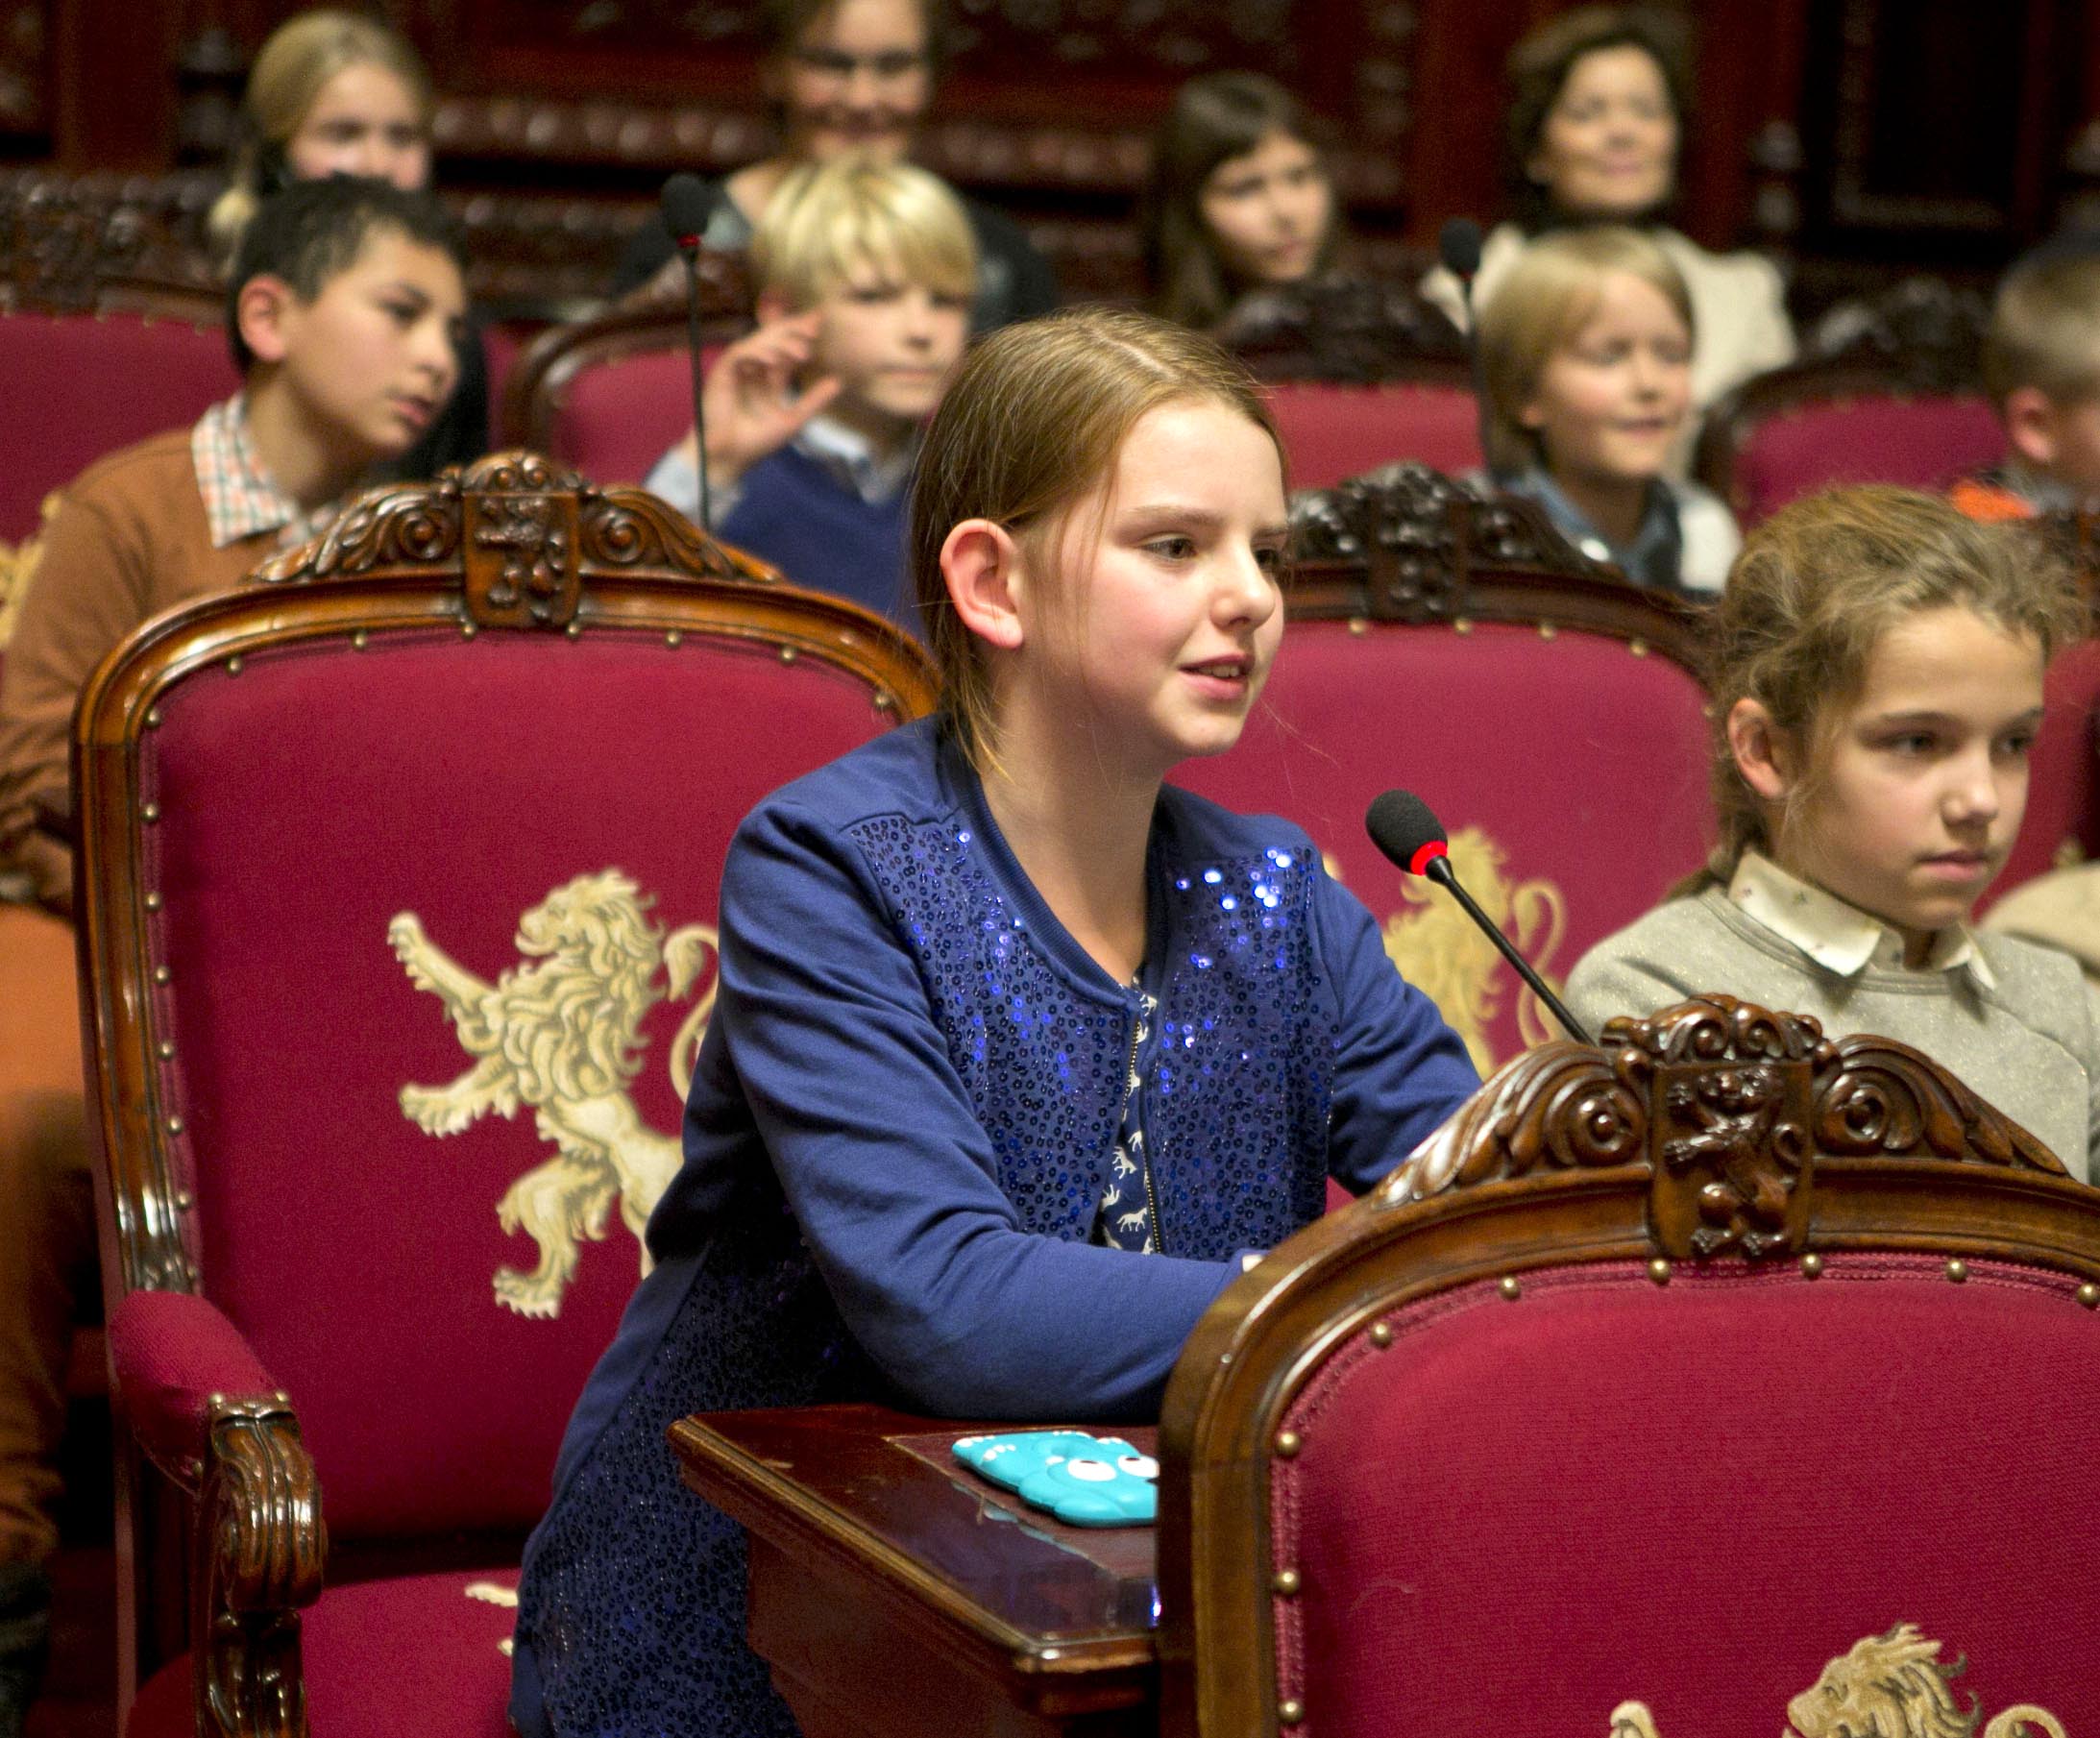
point(241, 499)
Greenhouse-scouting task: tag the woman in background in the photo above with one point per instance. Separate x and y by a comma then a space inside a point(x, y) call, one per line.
point(853, 75)
point(1599, 111)
point(338, 93)
point(1238, 197)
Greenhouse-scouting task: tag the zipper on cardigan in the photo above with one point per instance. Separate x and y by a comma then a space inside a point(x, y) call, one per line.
point(1132, 1091)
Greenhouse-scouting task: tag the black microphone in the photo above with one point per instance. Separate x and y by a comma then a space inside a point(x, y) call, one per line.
point(1404, 827)
point(1458, 246)
point(686, 204)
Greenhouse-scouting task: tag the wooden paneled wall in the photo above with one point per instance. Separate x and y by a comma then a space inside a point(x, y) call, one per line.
point(1919, 134)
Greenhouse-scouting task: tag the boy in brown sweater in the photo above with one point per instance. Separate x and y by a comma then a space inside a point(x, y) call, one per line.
point(342, 312)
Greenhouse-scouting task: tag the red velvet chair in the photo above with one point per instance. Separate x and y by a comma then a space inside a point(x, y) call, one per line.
point(1719, 1382)
point(2062, 822)
point(111, 377)
point(400, 870)
point(1361, 373)
point(1544, 707)
point(1890, 391)
point(611, 393)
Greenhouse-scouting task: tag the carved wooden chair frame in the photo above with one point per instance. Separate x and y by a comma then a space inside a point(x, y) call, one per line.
point(511, 544)
point(1350, 331)
point(1405, 544)
point(1574, 1154)
point(651, 318)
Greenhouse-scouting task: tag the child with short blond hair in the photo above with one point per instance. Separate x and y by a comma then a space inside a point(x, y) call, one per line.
point(2041, 367)
point(1586, 361)
point(1876, 672)
point(864, 272)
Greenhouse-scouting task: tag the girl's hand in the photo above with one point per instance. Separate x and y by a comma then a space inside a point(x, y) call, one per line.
point(751, 402)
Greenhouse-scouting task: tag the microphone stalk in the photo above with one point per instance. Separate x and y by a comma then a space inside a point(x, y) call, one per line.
point(1439, 870)
point(692, 257)
point(1409, 836)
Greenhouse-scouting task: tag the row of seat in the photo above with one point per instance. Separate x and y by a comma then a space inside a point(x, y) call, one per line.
point(367, 1248)
point(1361, 376)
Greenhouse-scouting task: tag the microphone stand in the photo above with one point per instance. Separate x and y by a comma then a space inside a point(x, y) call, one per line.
point(689, 250)
point(1438, 869)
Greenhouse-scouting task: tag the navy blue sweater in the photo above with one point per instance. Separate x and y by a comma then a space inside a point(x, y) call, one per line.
point(897, 1138)
point(793, 513)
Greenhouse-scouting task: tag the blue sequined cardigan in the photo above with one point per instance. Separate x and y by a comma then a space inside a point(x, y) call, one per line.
point(899, 1135)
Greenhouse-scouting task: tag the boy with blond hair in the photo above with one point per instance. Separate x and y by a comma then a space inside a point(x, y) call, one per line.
point(2042, 366)
point(864, 273)
point(343, 312)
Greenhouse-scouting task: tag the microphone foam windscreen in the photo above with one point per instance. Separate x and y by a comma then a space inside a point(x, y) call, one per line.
point(1458, 246)
point(686, 205)
point(1400, 824)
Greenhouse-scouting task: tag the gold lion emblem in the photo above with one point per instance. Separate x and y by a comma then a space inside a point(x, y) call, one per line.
point(1886, 1686)
point(563, 1036)
point(17, 562)
point(1441, 953)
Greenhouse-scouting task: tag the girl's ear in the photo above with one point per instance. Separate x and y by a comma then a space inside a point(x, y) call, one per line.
point(262, 311)
point(1764, 753)
point(1533, 415)
point(981, 564)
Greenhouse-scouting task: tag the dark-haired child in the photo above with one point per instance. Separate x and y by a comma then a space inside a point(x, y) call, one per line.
point(342, 312)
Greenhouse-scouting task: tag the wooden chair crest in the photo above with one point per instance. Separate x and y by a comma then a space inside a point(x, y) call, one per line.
point(1405, 543)
point(1349, 331)
point(1715, 1137)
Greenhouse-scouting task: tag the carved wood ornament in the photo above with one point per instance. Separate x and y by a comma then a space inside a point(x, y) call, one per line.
point(1727, 1107)
point(526, 534)
point(1349, 329)
point(1405, 543)
point(259, 1509)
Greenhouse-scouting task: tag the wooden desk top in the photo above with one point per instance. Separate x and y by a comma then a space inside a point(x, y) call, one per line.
point(859, 1509)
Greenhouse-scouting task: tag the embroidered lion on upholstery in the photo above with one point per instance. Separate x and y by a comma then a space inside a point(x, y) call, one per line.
point(563, 1035)
point(1440, 953)
point(1885, 1686)
point(1894, 1686)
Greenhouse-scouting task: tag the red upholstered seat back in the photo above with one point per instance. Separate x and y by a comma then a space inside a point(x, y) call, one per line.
point(1332, 431)
point(616, 418)
point(86, 384)
point(1519, 1515)
point(1923, 442)
point(2064, 786)
point(377, 872)
point(1570, 774)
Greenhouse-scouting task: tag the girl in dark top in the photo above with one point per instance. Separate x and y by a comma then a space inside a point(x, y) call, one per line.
point(1238, 196)
point(338, 93)
point(1019, 1055)
point(853, 75)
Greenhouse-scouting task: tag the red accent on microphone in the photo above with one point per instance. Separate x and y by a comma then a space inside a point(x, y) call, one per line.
point(688, 241)
point(1419, 863)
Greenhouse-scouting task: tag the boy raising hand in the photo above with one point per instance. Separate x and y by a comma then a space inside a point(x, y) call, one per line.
point(865, 274)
